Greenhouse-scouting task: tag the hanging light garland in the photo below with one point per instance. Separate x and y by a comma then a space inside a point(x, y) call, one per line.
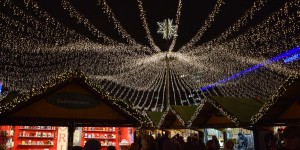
point(177, 23)
point(281, 91)
point(81, 19)
point(206, 25)
point(107, 10)
point(145, 25)
point(35, 44)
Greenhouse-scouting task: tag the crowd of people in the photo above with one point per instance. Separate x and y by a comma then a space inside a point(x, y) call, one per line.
point(165, 142)
point(284, 139)
point(290, 141)
point(147, 142)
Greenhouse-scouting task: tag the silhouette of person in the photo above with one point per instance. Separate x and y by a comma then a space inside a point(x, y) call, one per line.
point(229, 145)
point(92, 144)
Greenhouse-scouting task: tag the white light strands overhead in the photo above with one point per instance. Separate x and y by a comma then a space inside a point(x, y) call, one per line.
point(145, 25)
point(66, 4)
point(206, 25)
point(178, 14)
point(37, 47)
point(107, 10)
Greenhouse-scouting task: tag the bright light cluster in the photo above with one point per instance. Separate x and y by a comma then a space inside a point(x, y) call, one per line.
point(177, 22)
point(107, 10)
point(35, 48)
point(146, 27)
point(66, 4)
point(167, 29)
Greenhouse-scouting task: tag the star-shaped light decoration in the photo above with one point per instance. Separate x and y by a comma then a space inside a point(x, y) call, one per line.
point(167, 29)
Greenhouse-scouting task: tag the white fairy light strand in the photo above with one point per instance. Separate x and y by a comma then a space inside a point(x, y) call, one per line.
point(281, 91)
point(81, 19)
point(256, 7)
point(207, 24)
point(178, 14)
point(107, 10)
point(136, 69)
point(145, 25)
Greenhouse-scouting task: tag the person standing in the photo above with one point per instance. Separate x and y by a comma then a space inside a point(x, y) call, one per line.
point(189, 145)
point(229, 145)
point(168, 144)
point(216, 142)
point(242, 141)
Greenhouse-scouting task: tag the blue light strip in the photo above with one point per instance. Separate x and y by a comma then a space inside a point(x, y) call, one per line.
point(0, 88)
point(292, 58)
point(274, 59)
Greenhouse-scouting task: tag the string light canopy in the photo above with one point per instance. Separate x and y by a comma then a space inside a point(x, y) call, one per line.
point(116, 45)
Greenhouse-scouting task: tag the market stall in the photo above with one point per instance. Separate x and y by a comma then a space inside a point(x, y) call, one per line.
point(280, 111)
point(70, 104)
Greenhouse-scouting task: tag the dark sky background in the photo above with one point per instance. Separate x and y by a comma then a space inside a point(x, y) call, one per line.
point(194, 13)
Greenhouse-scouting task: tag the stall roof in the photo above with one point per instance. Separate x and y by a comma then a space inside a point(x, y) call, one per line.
point(155, 117)
point(225, 112)
point(241, 108)
point(284, 106)
point(71, 99)
point(207, 115)
point(170, 119)
point(185, 112)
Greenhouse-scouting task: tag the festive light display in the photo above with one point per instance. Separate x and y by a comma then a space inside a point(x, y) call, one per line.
point(81, 19)
point(274, 59)
point(141, 117)
point(224, 112)
point(37, 47)
point(206, 25)
point(170, 110)
point(196, 113)
point(281, 90)
point(117, 24)
point(167, 29)
point(178, 14)
point(145, 25)
point(292, 58)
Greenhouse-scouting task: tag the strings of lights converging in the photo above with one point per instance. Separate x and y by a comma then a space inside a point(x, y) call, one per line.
point(36, 44)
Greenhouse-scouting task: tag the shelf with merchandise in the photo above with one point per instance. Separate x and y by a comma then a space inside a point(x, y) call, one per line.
point(96, 131)
point(36, 134)
point(33, 137)
point(99, 129)
point(100, 138)
point(108, 145)
point(35, 145)
point(6, 134)
point(39, 137)
point(46, 128)
point(107, 136)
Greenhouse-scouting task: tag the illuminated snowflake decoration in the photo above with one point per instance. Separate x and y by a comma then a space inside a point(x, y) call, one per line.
point(167, 29)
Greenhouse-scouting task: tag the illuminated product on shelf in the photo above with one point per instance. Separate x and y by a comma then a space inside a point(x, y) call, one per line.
point(6, 136)
point(36, 135)
point(106, 135)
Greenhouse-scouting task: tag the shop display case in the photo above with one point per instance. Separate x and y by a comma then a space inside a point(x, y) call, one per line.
point(121, 138)
point(36, 136)
point(106, 135)
point(6, 136)
point(55, 137)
